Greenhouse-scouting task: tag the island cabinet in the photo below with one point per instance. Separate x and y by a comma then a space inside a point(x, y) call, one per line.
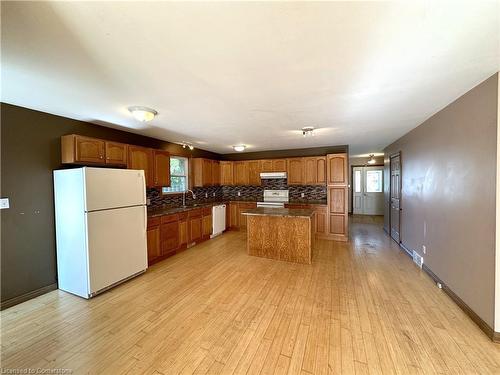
point(315, 170)
point(226, 173)
point(142, 158)
point(320, 217)
point(295, 169)
point(337, 196)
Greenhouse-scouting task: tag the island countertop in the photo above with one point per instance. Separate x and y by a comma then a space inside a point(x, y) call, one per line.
point(283, 212)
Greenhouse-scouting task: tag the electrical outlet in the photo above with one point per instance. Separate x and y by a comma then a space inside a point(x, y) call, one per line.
point(213, 194)
point(239, 194)
point(424, 249)
point(302, 195)
point(4, 203)
point(206, 195)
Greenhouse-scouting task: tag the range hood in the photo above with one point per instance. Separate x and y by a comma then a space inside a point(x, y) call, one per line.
point(272, 175)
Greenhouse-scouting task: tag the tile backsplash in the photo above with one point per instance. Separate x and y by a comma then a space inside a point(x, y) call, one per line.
point(246, 192)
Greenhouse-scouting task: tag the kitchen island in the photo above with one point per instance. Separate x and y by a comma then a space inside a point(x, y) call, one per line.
point(281, 233)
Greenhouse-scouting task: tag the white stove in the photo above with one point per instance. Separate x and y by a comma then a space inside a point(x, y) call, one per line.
point(274, 199)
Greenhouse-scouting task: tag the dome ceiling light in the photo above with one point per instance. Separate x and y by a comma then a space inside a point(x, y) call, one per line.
point(239, 148)
point(308, 131)
point(143, 114)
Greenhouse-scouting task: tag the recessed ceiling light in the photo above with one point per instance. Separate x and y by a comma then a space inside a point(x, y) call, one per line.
point(308, 131)
point(142, 114)
point(239, 148)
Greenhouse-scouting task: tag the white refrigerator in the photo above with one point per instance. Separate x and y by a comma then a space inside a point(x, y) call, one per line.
point(101, 224)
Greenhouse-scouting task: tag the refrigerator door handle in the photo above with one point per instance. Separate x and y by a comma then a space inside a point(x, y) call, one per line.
point(145, 221)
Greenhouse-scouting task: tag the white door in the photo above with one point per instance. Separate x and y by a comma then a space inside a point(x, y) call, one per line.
point(368, 195)
point(112, 188)
point(116, 245)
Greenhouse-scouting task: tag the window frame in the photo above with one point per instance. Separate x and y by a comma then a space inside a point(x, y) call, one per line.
point(186, 175)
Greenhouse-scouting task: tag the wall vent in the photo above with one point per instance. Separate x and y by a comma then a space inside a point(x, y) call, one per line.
point(417, 259)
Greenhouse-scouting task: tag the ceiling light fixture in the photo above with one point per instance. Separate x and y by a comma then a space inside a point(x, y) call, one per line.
point(142, 114)
point(308, 131)
point(372, 159)
point(188, 145)
point(239, 148)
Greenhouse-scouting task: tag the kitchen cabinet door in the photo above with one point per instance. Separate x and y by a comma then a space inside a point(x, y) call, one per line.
point(337, 169)
point(295, 171)
point(215, 172)
point(242, 219)
point(310, 171)
point(234, 214)
point(254, 169)
point(279, 165)
point(195, 226)
point(207, 226)
point(226, 173)
point(266, 165)
point(321, 170)
point(116, 153)
point(89, 150)
point(241, 173)
point(321, 220)
point(153, 243)
point(169, 237)
point(207, 172)
point(183, 233)
point(142, 158)
point(161, 168)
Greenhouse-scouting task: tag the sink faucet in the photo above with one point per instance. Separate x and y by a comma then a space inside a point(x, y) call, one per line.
point(184, 196)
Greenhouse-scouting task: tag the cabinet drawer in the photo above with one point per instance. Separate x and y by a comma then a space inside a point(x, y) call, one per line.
point(207, 211)
point(169, 218)
point(183, 215)
point(195, 213)
point(154, 221)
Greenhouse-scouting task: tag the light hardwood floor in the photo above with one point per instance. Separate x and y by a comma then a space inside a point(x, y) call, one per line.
point(361, 308)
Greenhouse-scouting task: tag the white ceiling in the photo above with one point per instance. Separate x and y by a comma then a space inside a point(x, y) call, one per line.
point(225, 73)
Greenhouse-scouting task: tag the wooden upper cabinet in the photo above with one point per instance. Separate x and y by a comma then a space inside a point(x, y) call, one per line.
point(116, 153)
point(202, 172)
point(207, 172)
point(142, 158)
point(336, 169)
point(315, 170)
point(161, 168)
point(226, 173)
point(241, 173)
point(78, 149)
point(321, 170)
point(266, 165)
point(215, 172)
point(295, 171)
point(254, 169)
point(279, 165)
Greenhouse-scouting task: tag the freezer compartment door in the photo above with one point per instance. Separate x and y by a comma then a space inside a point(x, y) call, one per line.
point(111, 188)
point(116, 244)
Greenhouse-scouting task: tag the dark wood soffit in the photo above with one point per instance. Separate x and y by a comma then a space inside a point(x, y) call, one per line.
point(290, 153)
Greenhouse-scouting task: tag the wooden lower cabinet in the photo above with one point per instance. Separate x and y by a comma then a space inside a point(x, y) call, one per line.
point(153, 239)
point(242, 219)
point(183, 230)
point(207, 226)
point(233, 215)
point(169, 238)
point(195, 226)
point(320, 219)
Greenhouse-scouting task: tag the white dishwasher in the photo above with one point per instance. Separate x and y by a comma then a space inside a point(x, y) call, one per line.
point(218, 219)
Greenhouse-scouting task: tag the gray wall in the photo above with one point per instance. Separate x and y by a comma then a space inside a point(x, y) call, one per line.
point(448, 181)
point(30, 150)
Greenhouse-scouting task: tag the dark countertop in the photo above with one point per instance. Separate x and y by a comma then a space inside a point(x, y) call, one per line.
point(285, 212)
point(305, 201)
point(167, 210)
